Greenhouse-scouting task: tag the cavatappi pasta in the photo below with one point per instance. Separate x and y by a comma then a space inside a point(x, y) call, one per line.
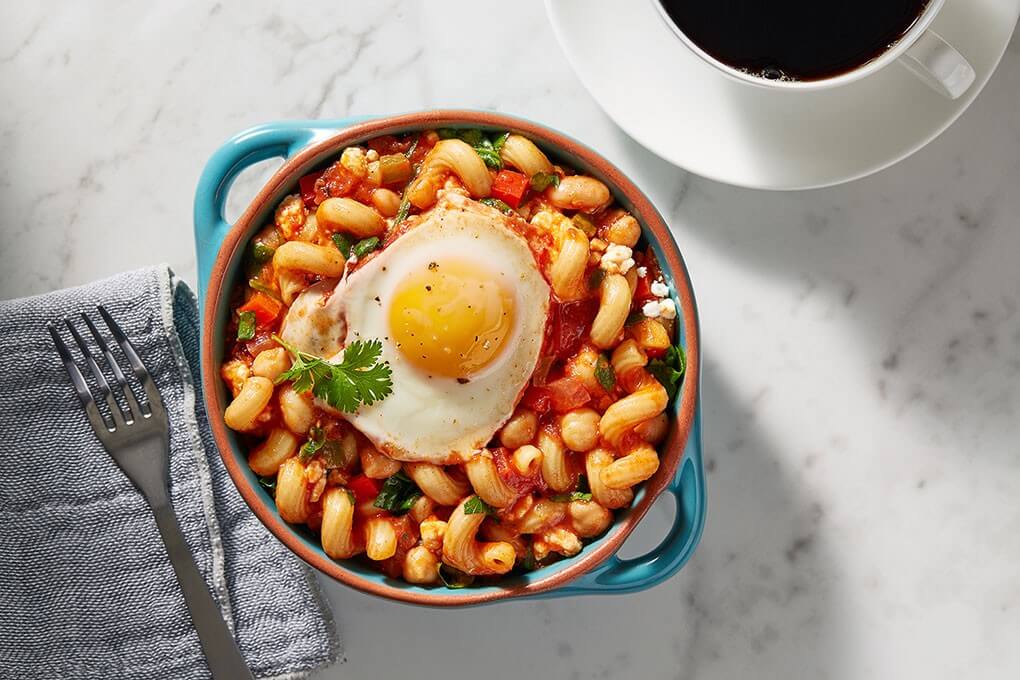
point(585, 429)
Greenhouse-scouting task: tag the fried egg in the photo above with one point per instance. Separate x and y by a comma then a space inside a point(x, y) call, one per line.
point(461, 307)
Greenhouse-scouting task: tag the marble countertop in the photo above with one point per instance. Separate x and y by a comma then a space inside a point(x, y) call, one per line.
point(862, 343)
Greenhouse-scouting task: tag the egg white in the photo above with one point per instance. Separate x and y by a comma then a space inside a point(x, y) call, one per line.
point(435, 418)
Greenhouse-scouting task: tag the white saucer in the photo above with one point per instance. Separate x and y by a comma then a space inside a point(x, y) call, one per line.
point(684, 110)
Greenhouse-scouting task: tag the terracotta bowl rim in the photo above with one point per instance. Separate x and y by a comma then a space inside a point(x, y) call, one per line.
point(654, 227)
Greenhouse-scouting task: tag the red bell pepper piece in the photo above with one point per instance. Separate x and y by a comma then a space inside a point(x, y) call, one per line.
point(266, 308)
point(307, 184)
point(643, 290)
point(364, 488)
point(510, 187)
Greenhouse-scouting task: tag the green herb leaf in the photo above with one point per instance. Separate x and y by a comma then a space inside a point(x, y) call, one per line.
point(595, 280)
point(573, 496)
point(454, 579)
point(359, 378)
point(316, 440)
point(365, 246)
point(605, 374)
point(541, 181)
point(262, 253)
point(268, 483)
point(351, 497)
point(498, 205)
point(343, 243)
point(487, 148)
point(245, 325)
point(398, 494)
point(670, 369)
point(499, 141)
point(476, 506)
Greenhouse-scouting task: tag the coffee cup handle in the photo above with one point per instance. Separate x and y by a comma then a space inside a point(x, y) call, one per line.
point(939, 65)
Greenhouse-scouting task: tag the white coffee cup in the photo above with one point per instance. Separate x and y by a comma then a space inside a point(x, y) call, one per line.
point(921, 50)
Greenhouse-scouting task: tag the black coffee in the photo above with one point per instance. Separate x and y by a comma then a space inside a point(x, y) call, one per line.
point(794, 39)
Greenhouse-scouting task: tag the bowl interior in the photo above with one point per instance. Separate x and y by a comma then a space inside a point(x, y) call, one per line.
point(686, 521)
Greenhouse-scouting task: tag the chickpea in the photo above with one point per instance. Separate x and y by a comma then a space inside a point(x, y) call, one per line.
point(420, 566)
point(654, 430)
point(580, 429)
point(588, 518)
point(520, 429)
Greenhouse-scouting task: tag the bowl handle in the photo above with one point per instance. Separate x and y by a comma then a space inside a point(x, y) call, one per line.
point(617, 575)
point(281, 139)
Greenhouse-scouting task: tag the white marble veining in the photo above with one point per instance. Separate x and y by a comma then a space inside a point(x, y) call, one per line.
point(862, 343)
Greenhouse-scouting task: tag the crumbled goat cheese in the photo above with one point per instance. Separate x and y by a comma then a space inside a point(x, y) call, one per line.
point(667, 309)
point(651, 309)
point(659, 289)
point(617, 259)
point(642, 272)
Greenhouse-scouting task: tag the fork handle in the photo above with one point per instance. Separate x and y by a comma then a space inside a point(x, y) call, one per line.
point(221, 652)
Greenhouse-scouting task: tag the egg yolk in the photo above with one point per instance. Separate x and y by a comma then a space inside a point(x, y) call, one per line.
point(451, 318)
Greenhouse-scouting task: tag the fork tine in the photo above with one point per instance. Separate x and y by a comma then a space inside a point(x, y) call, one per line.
point(125, 387)
point(99, 421)
point(155, 401)
point(104, 387)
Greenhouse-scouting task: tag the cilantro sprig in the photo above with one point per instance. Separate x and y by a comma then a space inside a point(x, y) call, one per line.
point(605, 374)
point(398, 494)
point(669, 370)
point(359, 378)
point(316, 440)
point(476, 506)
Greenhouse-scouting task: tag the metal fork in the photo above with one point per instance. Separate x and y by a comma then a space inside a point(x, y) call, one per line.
point(138, 440)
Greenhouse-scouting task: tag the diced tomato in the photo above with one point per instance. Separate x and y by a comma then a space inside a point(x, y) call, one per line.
point(364, 488)
point(538, 399)
point(307, 184)
point(566, 394)
point(522, 484)
point(388, 144)
point(266, 308)
point(363, 194)
point(570, 324)
point(510, 187)
point(336, 181)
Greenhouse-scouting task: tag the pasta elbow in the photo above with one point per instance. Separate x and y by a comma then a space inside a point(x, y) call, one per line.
point(462, 550)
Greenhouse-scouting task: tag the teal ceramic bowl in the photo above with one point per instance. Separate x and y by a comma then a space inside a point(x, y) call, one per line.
point(308, 145)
